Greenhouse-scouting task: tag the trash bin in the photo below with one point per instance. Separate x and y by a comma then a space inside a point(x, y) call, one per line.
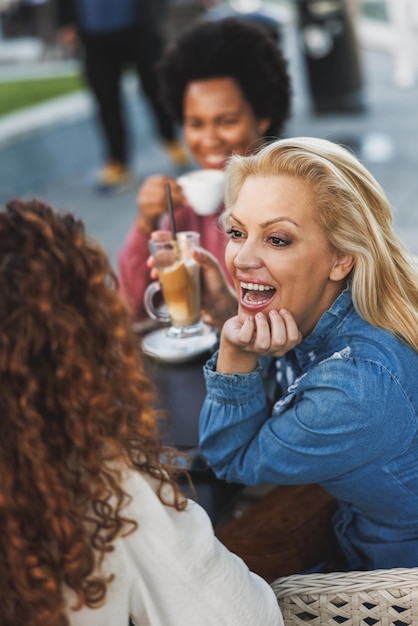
point(331, 55)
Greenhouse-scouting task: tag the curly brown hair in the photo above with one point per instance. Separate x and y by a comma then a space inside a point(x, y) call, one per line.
point(76, 406)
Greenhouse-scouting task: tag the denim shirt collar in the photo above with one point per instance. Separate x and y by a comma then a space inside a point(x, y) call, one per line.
point(326, 325)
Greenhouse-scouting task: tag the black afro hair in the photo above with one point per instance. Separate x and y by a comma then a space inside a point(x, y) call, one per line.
point(231, 47)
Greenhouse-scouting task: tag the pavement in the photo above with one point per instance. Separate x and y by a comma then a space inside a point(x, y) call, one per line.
point(53, 151)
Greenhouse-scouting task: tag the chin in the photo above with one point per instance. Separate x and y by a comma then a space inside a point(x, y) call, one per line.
point(215, 166)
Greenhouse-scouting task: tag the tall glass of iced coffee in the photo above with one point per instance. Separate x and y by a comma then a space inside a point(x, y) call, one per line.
point(179, 283)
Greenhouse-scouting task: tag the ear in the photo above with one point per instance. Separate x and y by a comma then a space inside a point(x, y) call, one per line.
point(342, 267)
point(263, 124)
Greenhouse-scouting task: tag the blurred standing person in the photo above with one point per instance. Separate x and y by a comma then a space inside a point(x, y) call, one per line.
point(226, 83)
point(115, 34)
point(93, 527)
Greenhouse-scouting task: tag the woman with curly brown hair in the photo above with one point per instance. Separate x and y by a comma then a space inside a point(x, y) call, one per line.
point(93, 527)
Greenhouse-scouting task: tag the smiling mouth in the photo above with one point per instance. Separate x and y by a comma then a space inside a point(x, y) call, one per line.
point(254, 294)
point(216, 160)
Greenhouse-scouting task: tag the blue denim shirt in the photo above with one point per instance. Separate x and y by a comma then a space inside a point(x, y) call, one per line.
point(346, 419)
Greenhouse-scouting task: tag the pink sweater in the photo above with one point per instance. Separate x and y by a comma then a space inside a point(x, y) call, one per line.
point(134, 274)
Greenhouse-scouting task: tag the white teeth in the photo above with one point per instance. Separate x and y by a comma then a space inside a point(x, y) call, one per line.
point(256, 287)
point(215, 159)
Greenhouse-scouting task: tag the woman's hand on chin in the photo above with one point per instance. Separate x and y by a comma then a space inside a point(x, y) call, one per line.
point(271, 334)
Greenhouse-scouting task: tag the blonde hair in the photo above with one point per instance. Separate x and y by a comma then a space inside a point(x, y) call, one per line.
point(355, 215)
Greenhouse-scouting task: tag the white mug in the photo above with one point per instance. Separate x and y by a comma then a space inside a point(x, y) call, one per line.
point(204, 190)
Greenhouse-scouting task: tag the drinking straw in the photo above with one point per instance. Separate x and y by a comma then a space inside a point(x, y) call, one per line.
point(171, 211)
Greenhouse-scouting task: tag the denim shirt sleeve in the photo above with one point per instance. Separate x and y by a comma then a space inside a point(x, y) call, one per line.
point(342, 415)
point(234, 409)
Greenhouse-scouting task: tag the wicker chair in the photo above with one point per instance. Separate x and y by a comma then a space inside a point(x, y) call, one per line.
point(384, 597)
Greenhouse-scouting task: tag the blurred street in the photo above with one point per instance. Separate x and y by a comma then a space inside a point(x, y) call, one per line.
point(54, 151)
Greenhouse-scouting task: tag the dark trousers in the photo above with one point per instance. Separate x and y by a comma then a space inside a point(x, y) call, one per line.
point(105, 58)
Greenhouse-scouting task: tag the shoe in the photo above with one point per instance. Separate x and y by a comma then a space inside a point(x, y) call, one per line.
point(177, 153)
point(114, 177)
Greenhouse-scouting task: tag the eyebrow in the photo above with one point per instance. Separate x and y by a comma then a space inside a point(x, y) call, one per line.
point(269, 222)
point(236, 112)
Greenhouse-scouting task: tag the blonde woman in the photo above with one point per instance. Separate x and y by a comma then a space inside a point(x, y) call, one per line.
point(328, 292)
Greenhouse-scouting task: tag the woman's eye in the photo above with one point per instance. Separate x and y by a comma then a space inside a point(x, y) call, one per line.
point(233, 233)
point(279, 242)
point(193, 124)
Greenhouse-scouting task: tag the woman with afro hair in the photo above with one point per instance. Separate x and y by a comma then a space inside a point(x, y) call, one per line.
point(226, 83)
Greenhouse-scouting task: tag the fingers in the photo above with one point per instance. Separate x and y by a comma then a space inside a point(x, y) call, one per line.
point(151, 265)
point(206, 259)
point(152, 202)
point(276, 334)
point(239, 334)
point(246, 334)
point(234, 355)
point(157, 235)
point(213, 277)
point(262, 338)
point(242, 342)
point(294, 336)
point(273, 334)
point(219, 299)
point(153, 192)
point(161, 235)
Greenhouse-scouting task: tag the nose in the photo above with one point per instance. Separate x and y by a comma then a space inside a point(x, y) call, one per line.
point(209, 136)
point(248, 256)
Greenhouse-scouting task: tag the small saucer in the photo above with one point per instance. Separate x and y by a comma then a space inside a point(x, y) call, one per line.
point(178, 349)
